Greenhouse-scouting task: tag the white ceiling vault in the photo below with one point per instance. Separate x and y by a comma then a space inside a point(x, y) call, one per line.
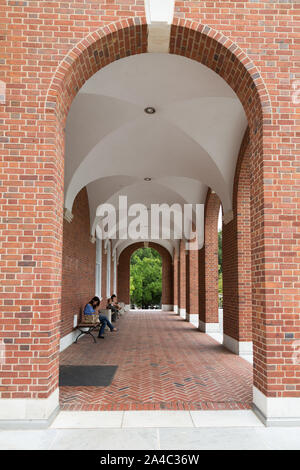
point(189, 144)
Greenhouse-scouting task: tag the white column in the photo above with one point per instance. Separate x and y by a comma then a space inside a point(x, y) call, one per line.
point(98, 267)
point(108, 265)
point(115, 274)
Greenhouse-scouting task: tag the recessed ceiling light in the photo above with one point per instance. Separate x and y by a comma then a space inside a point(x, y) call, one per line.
point(149, 110)
point(147, 179)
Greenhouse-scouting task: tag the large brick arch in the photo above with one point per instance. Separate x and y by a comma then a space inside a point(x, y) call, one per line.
point(98, 49)
point(129, 37)
point(124, 272)
point(189, 39)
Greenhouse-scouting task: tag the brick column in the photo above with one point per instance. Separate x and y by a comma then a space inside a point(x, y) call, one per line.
point(275, 283)
point(182, 279)
point(208, 267)
point(104, 278)
point(124, 277)
point(31, 265)
point(192, 274)
point(236, 237)
point(167, 299)
point(176, 280)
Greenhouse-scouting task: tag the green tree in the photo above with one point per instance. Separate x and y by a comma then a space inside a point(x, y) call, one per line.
point(145, 277)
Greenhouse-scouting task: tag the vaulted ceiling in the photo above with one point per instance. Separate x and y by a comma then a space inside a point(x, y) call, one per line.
point(189, 144)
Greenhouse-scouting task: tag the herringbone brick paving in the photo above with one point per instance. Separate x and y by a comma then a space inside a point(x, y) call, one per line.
point(163, 363)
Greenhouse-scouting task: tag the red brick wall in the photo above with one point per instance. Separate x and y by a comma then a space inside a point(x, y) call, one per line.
point(192, 279)
point(208, 260)
point(193, 282)
point(236, 237)
point(253, 47)
point(202, 284)
point(78, 263)
point(124, 272)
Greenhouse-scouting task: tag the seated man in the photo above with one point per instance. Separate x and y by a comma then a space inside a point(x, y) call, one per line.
point(112, 304)
point(91, 308)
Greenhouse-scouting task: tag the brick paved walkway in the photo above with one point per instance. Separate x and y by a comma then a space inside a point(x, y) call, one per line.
point(163, 363)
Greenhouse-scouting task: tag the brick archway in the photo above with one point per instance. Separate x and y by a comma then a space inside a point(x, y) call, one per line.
point(190, 39)
point(39, 309)
point(124, 272)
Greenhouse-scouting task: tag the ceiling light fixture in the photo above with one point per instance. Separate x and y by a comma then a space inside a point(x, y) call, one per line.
point(147, 179)
point(149, 110)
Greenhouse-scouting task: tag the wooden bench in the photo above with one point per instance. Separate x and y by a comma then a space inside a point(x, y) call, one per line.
point(88, 328)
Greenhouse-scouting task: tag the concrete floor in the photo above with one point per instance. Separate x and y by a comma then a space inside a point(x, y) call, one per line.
point(154, 430)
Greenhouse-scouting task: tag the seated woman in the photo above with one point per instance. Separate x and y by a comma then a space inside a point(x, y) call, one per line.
point(91, 308)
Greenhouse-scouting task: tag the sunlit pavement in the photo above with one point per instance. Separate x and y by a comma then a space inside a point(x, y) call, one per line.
point(154, 438)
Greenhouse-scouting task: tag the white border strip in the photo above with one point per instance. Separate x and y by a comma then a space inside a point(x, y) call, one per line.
point(209, 327)
point(167, 307)
point(241, 348)
point(29, 409)
point(182, 313)
point(67, 340)
point(277, 411)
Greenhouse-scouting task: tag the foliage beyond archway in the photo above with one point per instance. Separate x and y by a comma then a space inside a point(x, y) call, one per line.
point(145, 278)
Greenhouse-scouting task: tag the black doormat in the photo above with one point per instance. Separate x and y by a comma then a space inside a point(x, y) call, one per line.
point(86, 376)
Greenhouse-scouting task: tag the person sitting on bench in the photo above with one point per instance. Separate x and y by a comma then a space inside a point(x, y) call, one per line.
point(113, 305)
point(91, 308)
